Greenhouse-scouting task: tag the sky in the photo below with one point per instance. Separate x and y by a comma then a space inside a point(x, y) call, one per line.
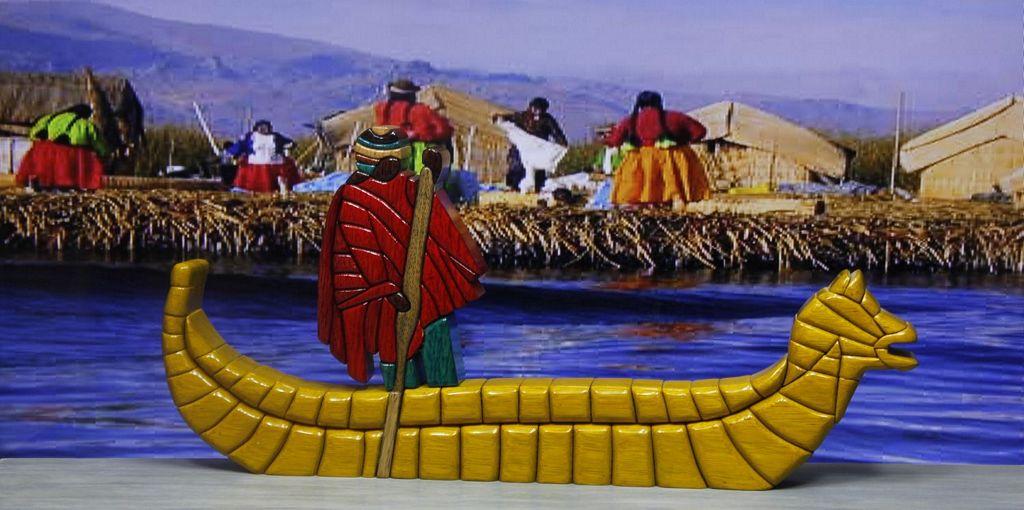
point(945, 54)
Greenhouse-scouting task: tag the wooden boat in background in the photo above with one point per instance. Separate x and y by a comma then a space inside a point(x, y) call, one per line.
point(746, 432)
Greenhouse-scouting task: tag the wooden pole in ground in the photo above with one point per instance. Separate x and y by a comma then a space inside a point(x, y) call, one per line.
point(408, 320)
point(896, 147)
point(170, 158)
point(351, 145)
point(456, 160)
point(469, 149)
point(206, 128)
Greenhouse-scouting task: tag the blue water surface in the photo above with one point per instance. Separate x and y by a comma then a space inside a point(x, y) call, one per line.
point(81, 373)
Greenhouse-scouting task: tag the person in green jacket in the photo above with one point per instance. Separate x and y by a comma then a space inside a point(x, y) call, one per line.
point(65, 153)
point(70, 127)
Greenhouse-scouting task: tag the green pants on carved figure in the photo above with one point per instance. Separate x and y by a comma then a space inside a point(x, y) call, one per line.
point(438, 363)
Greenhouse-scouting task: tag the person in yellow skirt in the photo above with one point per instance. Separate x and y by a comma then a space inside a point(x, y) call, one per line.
point(658, 166)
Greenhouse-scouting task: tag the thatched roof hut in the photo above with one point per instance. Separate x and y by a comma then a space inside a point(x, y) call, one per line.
point(480, 146)
point(745, 146)
point(25, 97)
point(970, 154)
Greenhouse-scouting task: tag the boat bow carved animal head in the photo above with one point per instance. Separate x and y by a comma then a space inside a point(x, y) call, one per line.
point(844, 322)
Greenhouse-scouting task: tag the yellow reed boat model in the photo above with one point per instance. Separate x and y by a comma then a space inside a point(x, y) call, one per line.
point(745, 432)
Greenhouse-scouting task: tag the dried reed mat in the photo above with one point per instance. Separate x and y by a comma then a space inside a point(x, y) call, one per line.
point(124, 182)
point(854, 233)
point(176, 221)
point(509, 198)
point(751, 205)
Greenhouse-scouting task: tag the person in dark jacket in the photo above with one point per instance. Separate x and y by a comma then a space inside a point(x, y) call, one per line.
point(227, 167)
point(536, 121)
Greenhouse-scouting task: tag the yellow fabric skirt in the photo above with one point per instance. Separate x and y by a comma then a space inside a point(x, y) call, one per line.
point(650, 175)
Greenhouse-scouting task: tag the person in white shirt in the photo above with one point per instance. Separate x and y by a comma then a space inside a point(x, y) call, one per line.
point(264, 165)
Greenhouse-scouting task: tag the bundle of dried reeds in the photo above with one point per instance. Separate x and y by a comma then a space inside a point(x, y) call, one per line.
point(188, 222)
point(659, 239)
point(863, 234)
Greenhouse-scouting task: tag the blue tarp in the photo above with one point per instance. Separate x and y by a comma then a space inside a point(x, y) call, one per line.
point(602, 198)
point(852, 188)
point(326, 184)
point(462, 185)
point(847, 188)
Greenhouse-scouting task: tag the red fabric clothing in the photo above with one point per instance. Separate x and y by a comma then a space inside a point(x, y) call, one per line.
point(420, 122)
point(263, 178)
point(55, 165)
point(682, 128)
point(362, 261)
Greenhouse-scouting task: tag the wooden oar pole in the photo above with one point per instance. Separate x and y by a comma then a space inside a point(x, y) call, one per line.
point(408, 320)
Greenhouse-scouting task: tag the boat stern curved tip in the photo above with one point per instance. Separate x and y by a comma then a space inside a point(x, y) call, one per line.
point(188, 281)
point(191, 273)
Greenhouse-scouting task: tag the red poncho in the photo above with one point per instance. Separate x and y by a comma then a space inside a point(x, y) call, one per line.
point(362, 262)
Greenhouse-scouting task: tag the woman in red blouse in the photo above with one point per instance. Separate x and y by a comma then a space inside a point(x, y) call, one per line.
point(424, 126)
point(658, 167)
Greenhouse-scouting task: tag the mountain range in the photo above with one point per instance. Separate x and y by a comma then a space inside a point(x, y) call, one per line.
point(295, 81)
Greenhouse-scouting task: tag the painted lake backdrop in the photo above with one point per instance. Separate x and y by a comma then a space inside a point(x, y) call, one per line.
point(81, 373)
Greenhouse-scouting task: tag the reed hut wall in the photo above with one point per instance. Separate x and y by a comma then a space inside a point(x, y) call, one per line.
point(12, 149)
point(745, 146)
point(974, 171)
point(732, 165)
point(482, 153)
point(971, 154)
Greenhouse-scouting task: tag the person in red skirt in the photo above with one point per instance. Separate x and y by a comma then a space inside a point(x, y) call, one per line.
point(263, 166)
point(65, 153)
point(658, 166)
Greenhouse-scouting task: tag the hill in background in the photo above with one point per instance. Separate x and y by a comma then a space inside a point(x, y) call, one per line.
point(295, 81)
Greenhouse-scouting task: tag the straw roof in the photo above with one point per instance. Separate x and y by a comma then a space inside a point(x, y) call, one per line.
point(747, 126)
point(464, 111)
point(1003, 119)
point(461, 109)
point(25, 97)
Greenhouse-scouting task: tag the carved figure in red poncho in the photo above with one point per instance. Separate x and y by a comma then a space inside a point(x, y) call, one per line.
point(362, 282)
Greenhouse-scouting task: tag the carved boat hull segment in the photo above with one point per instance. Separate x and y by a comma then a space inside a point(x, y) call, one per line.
point(745, 432)
point(481, 452)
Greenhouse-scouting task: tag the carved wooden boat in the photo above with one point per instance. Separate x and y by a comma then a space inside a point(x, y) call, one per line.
point(746, 432)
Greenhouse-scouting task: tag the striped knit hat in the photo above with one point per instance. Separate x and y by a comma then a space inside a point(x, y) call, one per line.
point(379, 142)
